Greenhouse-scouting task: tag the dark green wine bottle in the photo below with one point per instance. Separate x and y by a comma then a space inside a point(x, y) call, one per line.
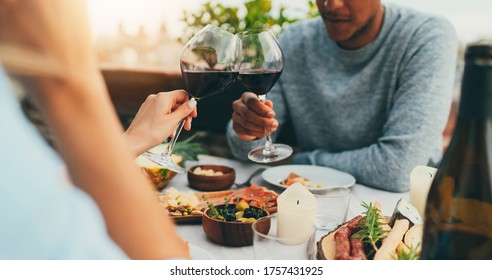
point(458, 213)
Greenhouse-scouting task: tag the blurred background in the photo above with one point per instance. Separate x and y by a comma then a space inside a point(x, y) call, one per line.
point(151, 33)
point(138, 44)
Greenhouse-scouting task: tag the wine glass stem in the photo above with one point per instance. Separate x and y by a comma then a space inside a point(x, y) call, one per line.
point(174, 139)
point(172, 142)
point(268, 148)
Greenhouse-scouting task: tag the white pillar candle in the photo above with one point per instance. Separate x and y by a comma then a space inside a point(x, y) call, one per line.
point(296, 214)
point(421, 179)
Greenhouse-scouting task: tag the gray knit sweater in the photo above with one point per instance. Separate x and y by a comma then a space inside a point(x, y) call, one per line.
point(374, 112)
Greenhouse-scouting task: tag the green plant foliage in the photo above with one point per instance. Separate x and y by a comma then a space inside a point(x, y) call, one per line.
point(259, 14)
point(313, 9)
point(371, 231)
point(188, 149)
point(410, 256)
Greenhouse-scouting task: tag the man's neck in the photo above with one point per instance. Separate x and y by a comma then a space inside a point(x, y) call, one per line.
point(367, 34)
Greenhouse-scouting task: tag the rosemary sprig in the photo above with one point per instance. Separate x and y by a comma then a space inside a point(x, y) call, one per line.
point(214, 212)
point(411, 255)
point(218, 213)
point(261, 212)
point(189, 150)
point(371, 231)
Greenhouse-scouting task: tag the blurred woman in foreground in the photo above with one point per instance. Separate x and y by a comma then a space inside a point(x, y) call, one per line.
point(46, 45)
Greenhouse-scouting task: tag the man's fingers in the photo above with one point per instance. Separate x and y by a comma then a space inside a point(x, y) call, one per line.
point(247, 130)
point(247, 114)
point(246, 134)
point(252, 102)
point(251, 117)
point(246, 124)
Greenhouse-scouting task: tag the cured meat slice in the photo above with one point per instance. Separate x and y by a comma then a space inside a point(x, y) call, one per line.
point(342, 244)
point(254, 195)
point(357, 249)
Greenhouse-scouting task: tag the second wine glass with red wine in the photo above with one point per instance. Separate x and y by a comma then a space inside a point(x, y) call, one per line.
point(209, 64)
point(261, 67)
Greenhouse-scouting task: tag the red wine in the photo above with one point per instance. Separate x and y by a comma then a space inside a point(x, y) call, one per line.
point(200, 84)
point(259, 81)
point(458, 213)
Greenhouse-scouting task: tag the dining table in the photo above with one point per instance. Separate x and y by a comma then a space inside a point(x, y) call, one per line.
point(194, 234)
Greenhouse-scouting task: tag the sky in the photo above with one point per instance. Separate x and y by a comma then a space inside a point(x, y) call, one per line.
point(472, 19)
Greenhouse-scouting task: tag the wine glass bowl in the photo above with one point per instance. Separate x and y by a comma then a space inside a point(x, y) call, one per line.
point(209, 64)
point(261, 67)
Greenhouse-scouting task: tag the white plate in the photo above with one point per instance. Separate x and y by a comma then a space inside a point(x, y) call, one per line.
point(198, 253)
point(328, 177)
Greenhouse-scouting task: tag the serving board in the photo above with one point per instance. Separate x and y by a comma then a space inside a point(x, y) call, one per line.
point(254, 195)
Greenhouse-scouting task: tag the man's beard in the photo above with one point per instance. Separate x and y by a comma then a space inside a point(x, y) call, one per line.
point(363, 28)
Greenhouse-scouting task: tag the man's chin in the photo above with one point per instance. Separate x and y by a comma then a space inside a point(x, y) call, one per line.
point(338, 37)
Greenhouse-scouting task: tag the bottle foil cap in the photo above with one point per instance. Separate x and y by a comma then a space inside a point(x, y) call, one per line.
point(479, 50)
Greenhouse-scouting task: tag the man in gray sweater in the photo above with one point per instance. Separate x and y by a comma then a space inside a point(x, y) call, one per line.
point(368, 89)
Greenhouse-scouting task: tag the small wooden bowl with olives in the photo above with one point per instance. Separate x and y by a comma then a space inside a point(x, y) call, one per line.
point(230, 224)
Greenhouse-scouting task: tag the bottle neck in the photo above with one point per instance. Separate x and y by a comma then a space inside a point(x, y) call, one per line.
point(474, 122)
point(476, 91)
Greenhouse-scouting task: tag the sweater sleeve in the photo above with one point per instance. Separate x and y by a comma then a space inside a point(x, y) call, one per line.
point(416, 119)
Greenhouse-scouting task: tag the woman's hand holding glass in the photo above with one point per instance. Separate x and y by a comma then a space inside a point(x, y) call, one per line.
point(209, 64)
point(157, 119)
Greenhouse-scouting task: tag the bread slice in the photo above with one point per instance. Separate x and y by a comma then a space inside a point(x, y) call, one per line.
point(326, 246)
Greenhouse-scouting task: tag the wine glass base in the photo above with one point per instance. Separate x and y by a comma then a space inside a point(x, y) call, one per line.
point(280, 152)
point(164, 161)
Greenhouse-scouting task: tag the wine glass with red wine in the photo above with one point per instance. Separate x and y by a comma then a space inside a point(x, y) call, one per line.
point(261, 66)
point(209, 64)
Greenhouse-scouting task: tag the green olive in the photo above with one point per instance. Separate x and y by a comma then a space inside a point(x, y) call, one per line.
point(241, 206)
point(239, 215)
point(250, 220)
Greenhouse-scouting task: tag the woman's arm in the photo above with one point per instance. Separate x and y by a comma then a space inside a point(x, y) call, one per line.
point(78, 109)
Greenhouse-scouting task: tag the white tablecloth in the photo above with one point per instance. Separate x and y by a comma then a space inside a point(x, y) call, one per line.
point(194, 232)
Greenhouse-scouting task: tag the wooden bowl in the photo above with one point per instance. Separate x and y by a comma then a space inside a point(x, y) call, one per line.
point(234, 234)
point(211, 183)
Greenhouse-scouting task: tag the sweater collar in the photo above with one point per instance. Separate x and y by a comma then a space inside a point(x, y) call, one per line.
point(364, 54)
